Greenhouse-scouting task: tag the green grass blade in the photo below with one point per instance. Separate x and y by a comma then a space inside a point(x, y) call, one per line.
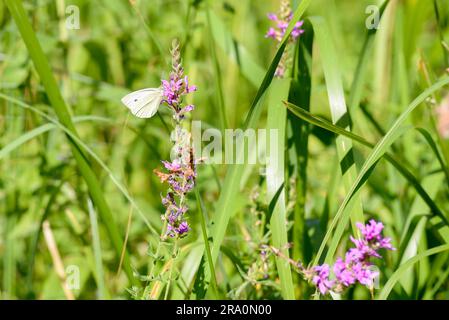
point(323, 123)
point(25, 138)
point(9, 255)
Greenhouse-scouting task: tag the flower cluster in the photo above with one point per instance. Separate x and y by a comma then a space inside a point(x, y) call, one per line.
point(443, 118)
point(281, 26)
point(356, 265)
point(177, 86)
point(180, 173)
point(282, 21)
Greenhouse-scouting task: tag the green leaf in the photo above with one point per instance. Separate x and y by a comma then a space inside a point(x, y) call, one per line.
point(340, 116)
point(97, 251)
point(298, 140)
point(27, 136)
point(43, 69)
point(235, 51)
point(210, 261)
point(433, 146)
point(379, 150)
point(362, 64)
point(394, 278)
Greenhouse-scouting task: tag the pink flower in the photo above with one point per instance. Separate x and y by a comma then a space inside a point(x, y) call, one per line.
point(188, 88)
point(174, 89)
point(364, 248)
point(183, 227)
point(297, 31)
point(364, 274)
point(385, 243)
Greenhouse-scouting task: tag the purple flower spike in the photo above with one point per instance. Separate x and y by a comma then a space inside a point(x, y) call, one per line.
point(181, 172)
point(321, 279)
point(183, 228)
point(356, 266)
point(281, 22)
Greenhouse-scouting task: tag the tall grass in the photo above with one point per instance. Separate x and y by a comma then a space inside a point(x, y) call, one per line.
point(57, 101)
point(358, 138)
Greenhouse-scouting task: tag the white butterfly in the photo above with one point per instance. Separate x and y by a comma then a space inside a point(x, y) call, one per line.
point(143, 103)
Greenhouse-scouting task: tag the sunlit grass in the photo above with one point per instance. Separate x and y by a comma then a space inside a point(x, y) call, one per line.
point(359, 139)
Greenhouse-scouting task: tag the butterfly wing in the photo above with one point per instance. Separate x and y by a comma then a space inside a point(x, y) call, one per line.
point(143, 103)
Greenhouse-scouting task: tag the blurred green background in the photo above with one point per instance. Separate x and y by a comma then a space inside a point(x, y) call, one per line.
point(123, 46)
